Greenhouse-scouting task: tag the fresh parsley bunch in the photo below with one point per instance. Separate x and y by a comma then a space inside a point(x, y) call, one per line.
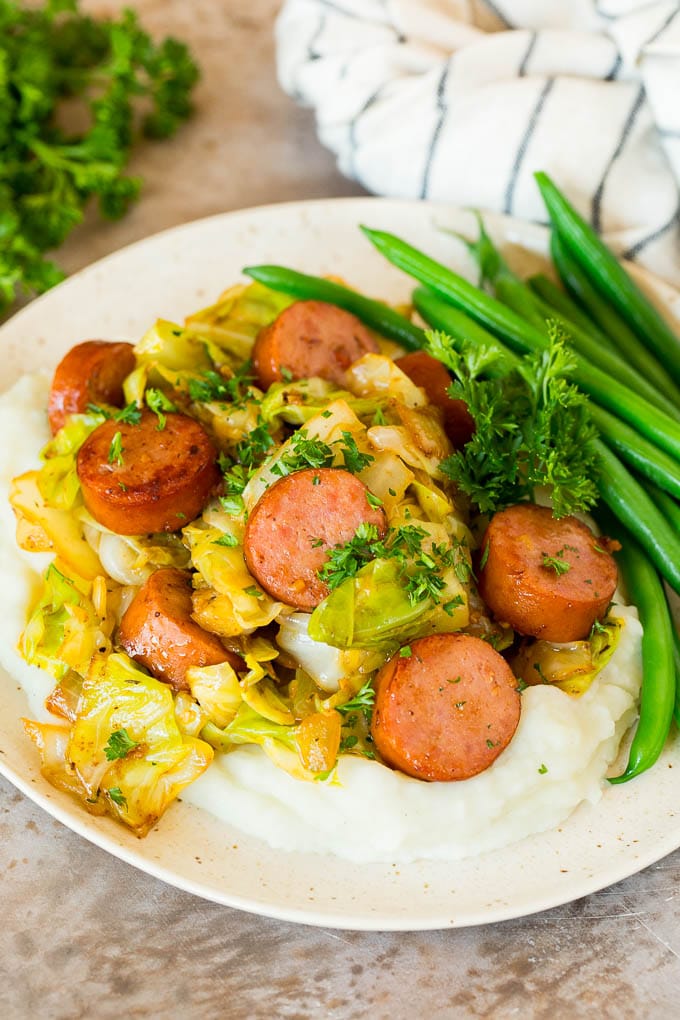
point(532, 428)
point(53, 54)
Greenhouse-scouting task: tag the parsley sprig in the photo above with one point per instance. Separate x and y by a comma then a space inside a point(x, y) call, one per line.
point(50, 54)
point(532, 428)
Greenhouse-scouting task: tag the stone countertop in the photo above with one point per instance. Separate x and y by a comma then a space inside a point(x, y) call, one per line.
point(85, 935)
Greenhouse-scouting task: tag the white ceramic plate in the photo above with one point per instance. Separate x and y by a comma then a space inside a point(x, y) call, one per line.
point(171, 275)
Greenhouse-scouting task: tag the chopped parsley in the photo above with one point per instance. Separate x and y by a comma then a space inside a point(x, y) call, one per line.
point(353, 459)
point(305, 452)
point(212, 386)
point(157, 402)
point(227, 540)
point(254, 447)
point(119, 745)
point(422, 576)
point(542, 770)
point(116, 795)
point(116, 449)
point(346, 560)
point(362, 701)
point(555, 563)
point(128, 415)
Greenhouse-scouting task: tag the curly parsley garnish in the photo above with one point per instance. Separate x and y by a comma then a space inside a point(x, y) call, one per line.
point(532, 428)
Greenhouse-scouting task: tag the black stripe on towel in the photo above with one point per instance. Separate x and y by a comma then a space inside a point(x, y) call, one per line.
point(640, 245)
point(498, 13)
point(522, 70)
point(629, 123)
point(662, 28)
point(441, 107)
point(353, 143)
point(312, 52)
point(524, 144)
point(339, 9)
point(616, 67)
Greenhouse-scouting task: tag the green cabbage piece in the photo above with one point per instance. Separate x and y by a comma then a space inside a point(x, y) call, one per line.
point(139, 783)
point(369, 610)
point(233, 322)
point(249, 727)
point(299, 401)
point(63, 631)
point(58, 478)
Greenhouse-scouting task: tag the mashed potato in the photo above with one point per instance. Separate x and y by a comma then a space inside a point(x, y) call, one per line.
point(366, 812)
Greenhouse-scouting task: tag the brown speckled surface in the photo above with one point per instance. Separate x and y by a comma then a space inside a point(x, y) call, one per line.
point(85, 935)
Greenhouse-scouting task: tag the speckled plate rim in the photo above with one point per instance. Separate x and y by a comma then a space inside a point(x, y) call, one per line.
point(169, 275)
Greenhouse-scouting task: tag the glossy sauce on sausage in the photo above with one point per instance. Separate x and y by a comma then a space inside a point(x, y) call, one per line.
point(158, 632)
point(310, 338)
point(148, 479)
point(545, 577)
point(92, 372)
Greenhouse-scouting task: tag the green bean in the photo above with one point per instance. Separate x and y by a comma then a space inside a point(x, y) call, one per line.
point(676, 661)
point(635, 449)
point(522, 337)
point(520, 298)
point(375, 314)
point(516, 294)
point(610, 278)
point(638, 452)
point(461, 328)
point(629, 502)
point(555, 298)
point(627, 344)
point(658, 692)
point(666, 504)
point(618, 488)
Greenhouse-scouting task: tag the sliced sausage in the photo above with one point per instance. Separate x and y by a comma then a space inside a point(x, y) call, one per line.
point(447, 710)
point(296, 522)
point(310, 338)
point(91, 373)
point(547, 578)
point(429, 373)
point(148, 479)
point(158, 632)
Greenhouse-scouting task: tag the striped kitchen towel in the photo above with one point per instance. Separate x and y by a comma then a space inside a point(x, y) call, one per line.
point(462, 100)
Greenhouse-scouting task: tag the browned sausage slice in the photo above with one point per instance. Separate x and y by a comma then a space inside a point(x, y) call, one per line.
point(158, 632)
point(294, 524)
point(547, 578)
point(90, 373)
point(310, 338)
point(447, 710)
point(429, 373)
point(148, 479)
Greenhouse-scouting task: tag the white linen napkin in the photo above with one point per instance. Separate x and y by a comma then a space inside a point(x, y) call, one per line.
point(462, 100)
